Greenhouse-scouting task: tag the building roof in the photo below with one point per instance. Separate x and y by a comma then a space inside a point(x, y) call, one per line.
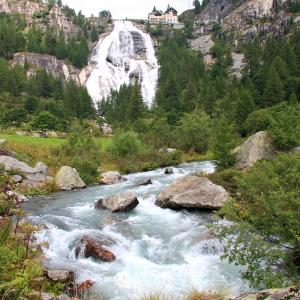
point(171, 9)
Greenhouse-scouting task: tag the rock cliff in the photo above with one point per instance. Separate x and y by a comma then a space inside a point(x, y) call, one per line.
point(242, 20)
point(52, 65)
point(40, 14)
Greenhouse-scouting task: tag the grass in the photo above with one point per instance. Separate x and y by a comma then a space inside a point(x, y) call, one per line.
point(48, 142)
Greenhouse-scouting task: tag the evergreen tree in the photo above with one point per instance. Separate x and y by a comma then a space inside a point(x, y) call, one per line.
point(197, 6)
point(273, 92)
point(245, 106)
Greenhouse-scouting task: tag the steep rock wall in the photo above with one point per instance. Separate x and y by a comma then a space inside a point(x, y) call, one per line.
point(37, 13)
point(52, 65)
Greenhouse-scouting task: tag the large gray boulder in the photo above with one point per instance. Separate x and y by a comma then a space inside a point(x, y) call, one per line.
point(19, 198)
point(119, 202)
point(257, 147)
point(192, 192)
point(68, 179)
point(111, 178)
point(11, 163)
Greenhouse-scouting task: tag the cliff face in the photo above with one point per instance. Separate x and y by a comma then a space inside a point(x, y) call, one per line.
point(52, 65)
point(243, 20)
point(37, 13)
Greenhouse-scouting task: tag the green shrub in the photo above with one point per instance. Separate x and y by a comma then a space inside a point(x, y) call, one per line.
point(193, 132)
point(257, 121)
point(265, 232)
point(82, 153)
point(284, 127)
point(126, 144)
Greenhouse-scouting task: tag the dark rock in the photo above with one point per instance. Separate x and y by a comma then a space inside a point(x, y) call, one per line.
point(145, 182)
point(90, 247)
point(169, 171)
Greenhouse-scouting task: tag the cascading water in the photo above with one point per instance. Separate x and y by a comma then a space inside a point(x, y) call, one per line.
point(158, 250)
point(123, 56)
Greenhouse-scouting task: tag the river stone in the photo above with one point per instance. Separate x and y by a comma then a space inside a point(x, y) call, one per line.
point(144, 182)
point(111, 178)
point(169, 171)
point(257, 147)
point(120, 202)
point(68, 179)
point(192, 192)
point(17, 178)
point(41, 168)
point(11, 163)
point(63, 276)
point(89, 247)
point(19, 198)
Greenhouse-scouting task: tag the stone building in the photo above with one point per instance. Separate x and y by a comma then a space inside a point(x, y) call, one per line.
point(169, 16)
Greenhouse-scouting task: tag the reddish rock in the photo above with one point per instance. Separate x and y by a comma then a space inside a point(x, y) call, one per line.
point(89, 247)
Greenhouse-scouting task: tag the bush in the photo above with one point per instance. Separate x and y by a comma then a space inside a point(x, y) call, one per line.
point(284, 128)
point(126, 144)
point(266, 230)
point(81, 153)
point(193, 132)
point(259, 120)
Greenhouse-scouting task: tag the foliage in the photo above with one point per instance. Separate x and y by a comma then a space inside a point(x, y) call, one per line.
point(225, 140)
point(265, 236)
point(80, 145)
point(126, 144)
point(285, 126)
point(193, 132)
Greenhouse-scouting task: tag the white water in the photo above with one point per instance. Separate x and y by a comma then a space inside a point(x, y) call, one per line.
point(118, 61)
point(157, 250)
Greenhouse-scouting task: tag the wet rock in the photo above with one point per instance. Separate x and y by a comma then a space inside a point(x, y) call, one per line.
point(257, 147)
point(192, 192)
point(169, 171)
point(119, 202)
point(63, 276)
point(89, 247)
point(17, 178)
point(145, 182)
point(19, 198)
point(111, 178)
point(68, 179)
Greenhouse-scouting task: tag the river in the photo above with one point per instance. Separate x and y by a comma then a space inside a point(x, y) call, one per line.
point(158, 250)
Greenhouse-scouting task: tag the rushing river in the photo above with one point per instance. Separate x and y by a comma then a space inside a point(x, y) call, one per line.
point(158, 250)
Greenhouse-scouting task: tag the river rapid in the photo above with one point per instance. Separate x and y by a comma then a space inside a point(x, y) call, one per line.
point(158, 250)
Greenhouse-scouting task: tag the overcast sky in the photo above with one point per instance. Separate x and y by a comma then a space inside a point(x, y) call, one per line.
point(126, 8)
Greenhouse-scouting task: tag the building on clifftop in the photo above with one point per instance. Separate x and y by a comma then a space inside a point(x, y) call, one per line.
point(169, 16)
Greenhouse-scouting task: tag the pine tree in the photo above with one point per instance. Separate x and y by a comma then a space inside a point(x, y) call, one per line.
point(245, 106)
point(197, 6)
point(273, 92)
point(281, 68)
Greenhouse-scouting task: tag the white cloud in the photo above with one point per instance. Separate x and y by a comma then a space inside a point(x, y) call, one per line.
point(126, 8)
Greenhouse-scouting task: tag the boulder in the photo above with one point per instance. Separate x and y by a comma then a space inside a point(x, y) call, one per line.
point(68, 179)
point(257, 147)
point(144, 182)
point(169, 171)
point(296, 150)
point(119, 202)
point(17, 178)
point(37, 180)
point(11, 163)
point(19, 198)
point(111, 178)
point(62, 276)
point(41, 168)
point(90, 247)
point(2, 142)
point(192, 192)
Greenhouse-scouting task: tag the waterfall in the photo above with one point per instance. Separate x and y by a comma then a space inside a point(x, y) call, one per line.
point(127, 54)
